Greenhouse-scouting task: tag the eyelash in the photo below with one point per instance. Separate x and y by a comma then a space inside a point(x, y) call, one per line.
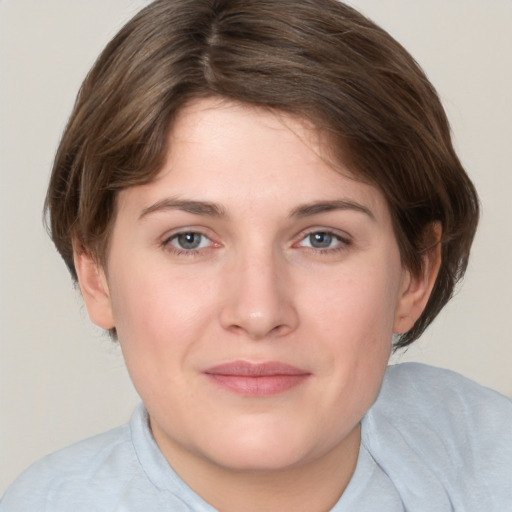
point(169, 246)
point(343, 242)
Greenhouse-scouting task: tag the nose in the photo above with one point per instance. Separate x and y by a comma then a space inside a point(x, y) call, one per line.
point(259, 299)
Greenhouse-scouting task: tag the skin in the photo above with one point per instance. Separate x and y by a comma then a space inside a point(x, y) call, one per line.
point(296, 262)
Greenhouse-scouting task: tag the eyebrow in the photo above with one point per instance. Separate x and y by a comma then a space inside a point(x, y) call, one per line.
point(214, 210)
point(189, 206)
point(316, 207)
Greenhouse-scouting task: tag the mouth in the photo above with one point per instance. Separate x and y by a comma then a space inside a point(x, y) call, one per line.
point(256, 379)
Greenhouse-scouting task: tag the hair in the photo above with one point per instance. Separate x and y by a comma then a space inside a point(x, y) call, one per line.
point(317, 59)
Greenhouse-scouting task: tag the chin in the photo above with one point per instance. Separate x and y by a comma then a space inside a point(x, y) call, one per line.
point(262, 460)
point(262, 449)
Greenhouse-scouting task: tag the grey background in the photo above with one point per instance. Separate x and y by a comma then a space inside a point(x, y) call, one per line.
point(61, 379)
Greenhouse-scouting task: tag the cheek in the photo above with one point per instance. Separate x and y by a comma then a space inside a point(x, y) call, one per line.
point(160, 322)
point(357, 305)
point(352, 320)
point(158, 311)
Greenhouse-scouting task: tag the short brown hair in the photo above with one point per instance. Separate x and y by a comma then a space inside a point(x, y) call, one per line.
point(318, 59)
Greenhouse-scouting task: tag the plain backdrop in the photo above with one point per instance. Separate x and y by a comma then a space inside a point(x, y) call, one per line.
point(61, 379)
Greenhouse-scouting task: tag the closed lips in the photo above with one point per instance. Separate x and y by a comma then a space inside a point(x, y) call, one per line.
point(257, 379)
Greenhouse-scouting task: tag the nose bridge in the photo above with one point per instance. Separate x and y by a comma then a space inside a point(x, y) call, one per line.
point(259, 301)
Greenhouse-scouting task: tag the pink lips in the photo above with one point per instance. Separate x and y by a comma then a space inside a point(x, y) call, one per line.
point(256, 379)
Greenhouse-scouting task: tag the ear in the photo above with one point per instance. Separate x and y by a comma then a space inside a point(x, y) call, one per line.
point(94, 288)
point(415, 290)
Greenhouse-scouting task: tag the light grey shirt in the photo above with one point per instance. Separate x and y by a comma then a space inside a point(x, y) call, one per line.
point(433, 441)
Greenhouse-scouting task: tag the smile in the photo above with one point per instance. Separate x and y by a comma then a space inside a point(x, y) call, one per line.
point(256, 379)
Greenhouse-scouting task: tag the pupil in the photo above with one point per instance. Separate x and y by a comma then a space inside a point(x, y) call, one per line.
point(189, 240)
point(320, 240)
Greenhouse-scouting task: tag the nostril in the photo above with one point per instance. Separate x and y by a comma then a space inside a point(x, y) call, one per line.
point(258, 305)
point(260, 330)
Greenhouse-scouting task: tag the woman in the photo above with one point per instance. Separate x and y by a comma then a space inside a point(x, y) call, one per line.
point(256, 197)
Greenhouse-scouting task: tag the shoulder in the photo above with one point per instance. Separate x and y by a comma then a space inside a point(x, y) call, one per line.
point(443, 396)
point(433, 425)
point(91, 466)
point(419, 398)
point(119, 470)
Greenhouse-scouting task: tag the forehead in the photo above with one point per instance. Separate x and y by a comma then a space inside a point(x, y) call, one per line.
point(249, 157)
point(234, 131)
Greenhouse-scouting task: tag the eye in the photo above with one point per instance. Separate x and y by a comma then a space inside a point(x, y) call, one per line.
point(188, 241)
point(323, 240)
point(320, 240)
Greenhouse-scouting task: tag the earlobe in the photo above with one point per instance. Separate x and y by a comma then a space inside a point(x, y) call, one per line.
point(94, 288)
point(416, 289)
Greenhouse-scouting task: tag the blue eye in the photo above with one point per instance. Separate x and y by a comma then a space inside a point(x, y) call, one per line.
point(321, 240)
point(189, 241)
point(325, 240)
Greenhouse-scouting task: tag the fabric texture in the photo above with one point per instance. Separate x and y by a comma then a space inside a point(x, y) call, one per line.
point(433, 441)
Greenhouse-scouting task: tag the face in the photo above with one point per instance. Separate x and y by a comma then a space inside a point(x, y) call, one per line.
point(254, 290)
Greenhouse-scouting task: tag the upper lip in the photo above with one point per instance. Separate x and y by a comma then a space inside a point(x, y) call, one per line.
point(250, 369)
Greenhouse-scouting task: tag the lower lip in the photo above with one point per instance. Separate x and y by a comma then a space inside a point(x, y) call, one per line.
point(265, 385)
